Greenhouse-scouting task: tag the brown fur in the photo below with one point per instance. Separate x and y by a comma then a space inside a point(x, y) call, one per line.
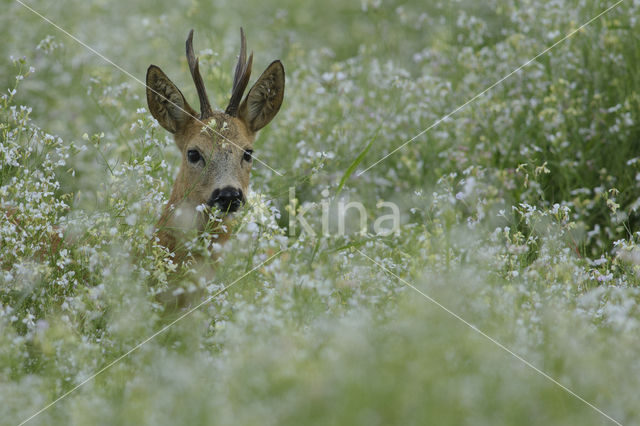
point(220, 138)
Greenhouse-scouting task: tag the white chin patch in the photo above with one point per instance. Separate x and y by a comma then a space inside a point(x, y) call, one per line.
point(185, 217)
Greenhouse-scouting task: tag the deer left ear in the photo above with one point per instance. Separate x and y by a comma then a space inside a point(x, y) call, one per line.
point(166, 102)
point(264, 99)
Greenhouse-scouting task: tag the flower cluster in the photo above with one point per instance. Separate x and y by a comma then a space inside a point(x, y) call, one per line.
point(517, 218)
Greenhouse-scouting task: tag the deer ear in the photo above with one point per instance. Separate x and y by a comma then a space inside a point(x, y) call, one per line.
point(264, 99)
point(166, 102)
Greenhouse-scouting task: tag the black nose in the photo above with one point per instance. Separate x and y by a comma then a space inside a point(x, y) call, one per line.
point(227, 199)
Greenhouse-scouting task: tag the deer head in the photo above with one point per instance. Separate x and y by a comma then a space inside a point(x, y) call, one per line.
point(216, 146)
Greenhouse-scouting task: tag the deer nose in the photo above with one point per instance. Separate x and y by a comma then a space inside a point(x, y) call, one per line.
point(227, 199)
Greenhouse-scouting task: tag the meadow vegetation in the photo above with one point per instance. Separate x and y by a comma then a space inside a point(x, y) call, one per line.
point(519, 214)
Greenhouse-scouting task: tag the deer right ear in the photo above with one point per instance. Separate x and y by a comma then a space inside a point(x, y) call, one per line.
point(166, 102)
point(264, 99)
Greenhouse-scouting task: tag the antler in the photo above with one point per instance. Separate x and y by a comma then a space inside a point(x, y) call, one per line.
point(241, 76)
point(205, 107)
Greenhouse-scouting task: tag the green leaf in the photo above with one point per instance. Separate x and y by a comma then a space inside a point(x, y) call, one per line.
point(358, 160)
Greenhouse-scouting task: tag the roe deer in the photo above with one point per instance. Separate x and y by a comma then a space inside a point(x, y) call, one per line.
point(216, 147)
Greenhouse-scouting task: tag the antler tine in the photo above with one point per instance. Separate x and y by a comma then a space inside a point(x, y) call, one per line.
point(205, 107)
point(241, 76)
point(242, 59)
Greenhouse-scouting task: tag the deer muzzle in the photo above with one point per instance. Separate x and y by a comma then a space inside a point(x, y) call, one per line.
point(227, 199)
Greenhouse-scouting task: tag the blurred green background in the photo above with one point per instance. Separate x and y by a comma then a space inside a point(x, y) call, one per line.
point(518, 213)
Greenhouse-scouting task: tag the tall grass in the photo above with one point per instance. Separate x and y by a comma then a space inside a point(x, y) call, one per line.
point(518, 214)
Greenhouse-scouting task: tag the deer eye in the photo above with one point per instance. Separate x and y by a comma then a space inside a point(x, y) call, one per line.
point(193, 155)
point(247, 155)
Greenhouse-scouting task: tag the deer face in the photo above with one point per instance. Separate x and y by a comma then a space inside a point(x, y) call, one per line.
point(216, 146)
point(216, 163)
